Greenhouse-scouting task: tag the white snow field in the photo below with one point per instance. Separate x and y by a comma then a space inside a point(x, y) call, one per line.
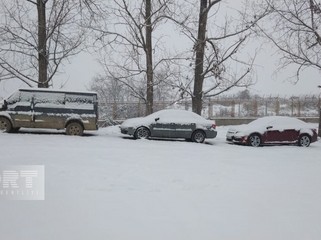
point(106, 186)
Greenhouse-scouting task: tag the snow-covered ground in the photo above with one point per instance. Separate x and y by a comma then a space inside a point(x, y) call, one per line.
point(105, 186)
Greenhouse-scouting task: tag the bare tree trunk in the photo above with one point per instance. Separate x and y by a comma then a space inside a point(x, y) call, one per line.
point(149, 59)
point(42, 45)
point(199, 61)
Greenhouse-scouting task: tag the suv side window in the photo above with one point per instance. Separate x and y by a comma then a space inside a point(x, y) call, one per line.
point(49, 100)
point(26, 98)
point(77, 101)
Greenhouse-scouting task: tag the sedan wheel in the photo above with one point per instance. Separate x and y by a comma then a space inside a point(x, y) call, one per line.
point(254, 140)
point(142, 132)
point(198, 136)
point(5, 125)
point(304, 141)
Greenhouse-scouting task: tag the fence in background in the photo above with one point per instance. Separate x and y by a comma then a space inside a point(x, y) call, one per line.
point(222, 107)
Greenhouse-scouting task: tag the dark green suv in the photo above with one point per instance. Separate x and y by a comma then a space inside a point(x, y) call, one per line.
point(46, 108)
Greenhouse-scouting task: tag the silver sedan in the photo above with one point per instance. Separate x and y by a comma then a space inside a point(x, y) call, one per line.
point(171, 123)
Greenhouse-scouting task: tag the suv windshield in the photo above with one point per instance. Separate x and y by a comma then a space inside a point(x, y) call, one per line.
point(13, 98)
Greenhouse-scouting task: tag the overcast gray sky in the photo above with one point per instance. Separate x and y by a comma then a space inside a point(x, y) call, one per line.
point(84, 67)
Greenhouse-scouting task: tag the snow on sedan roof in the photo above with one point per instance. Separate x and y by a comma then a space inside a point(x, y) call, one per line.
point(168, 116)
point(177, 113)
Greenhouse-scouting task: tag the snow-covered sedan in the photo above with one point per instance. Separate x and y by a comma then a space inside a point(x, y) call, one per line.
point(273, 130)
point(171, 123)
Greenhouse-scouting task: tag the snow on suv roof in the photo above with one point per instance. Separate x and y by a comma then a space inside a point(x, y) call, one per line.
point(55, 90)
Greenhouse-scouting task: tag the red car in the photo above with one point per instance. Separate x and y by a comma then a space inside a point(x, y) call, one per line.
point(273, 130)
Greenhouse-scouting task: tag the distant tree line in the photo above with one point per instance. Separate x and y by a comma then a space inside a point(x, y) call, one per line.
point(240, 104)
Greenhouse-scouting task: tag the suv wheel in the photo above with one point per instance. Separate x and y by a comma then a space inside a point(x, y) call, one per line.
point(75, 129)
point(5, 125)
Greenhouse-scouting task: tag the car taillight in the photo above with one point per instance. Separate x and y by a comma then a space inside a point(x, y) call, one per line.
point(214, 126)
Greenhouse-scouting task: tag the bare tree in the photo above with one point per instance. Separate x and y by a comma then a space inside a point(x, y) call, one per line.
point(132, 53)
point(296, 33)
point(38, 35)
point(217, 49)
point(109, 91)
point(149, 56)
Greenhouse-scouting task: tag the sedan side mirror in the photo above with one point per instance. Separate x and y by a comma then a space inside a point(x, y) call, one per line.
point(269, 127)
point(156, 119)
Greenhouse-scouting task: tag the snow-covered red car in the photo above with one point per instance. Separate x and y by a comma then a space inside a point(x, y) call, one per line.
point(273, 130)
point(171, 123)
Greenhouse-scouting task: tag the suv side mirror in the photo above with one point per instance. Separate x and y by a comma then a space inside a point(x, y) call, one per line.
point(5, 105)
point(156, 119)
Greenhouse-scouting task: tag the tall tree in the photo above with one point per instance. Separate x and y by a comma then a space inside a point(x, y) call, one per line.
point(199, 59)
point(216, 49)
point(149, 58)
point(130, 50)
point(42, 44)
point(37, 36)
point(200, 52)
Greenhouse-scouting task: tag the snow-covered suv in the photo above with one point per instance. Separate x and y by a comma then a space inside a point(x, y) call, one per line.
point(46, 108)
